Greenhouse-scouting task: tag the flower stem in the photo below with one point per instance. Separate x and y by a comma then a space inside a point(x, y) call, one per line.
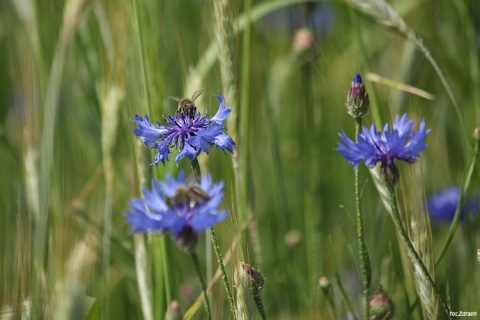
point(362, 248)
point(216, 248)
point(196, 268)
point(419, 266)
point(196, 170)
point(259, 304)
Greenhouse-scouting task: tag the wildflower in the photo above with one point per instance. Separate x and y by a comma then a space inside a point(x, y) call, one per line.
point(358, 102)
point(442, 205)
point(179, 206)
point(384, 146)
point(189, 132)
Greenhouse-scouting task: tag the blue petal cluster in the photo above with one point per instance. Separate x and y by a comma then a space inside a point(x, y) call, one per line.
point(384, 146)
point(189, 134)
point(442, 205)
point(160, 211)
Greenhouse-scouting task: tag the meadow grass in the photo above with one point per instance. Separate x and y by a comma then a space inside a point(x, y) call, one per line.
point(76, 71)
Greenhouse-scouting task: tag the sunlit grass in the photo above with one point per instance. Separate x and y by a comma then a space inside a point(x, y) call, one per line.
point(75, 72)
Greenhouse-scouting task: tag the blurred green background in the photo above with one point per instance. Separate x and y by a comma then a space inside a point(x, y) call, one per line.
point(75, 72)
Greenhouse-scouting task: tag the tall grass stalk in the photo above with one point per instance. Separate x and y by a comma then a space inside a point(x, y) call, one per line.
point(72, 15)
point(161, 288)
point(228, 70)
point(312, 209)
point(245, 307)
point(422, 275)
point(70, 297)
point(111, 99)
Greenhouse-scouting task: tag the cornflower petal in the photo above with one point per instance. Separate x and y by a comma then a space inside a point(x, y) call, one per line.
point(201, 222)
point(187, 152)
point(222, 112)
point(147, 130)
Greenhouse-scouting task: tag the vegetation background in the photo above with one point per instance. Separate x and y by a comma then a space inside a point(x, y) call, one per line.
point(75, 72)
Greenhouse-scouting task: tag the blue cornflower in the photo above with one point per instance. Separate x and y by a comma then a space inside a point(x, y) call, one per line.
point(384, 146)
point(374, 146)
point(179, 206)
point(442, 205)
point(188, 131)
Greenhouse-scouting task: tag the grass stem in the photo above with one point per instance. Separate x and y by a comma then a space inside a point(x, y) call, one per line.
point(417, 262)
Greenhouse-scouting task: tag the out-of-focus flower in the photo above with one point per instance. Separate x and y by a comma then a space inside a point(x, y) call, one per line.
point(442, 205)
point(189, 132)
point(304, 47)
point(173, 311)
point(358, 102)
point(179, 206)
point(384, 146)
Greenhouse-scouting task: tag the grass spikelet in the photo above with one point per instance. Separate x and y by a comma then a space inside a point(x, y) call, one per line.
point(244, 300)
point(421, 240)
point(70, 291)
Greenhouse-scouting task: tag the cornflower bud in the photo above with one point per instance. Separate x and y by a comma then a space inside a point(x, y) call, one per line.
point(358, 102)
point(381, 306)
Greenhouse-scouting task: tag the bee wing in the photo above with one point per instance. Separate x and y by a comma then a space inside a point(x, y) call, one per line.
point(197, 191)
point(197, 94)
point(175, 98)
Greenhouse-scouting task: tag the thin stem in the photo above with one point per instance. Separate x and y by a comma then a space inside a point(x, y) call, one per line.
point(411, 252)
point(362, 248)
point(196, 170)
point(259, 304)
point(196, 268)
point(197, 173)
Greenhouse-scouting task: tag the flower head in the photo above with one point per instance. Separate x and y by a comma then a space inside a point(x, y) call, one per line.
point(188, 131)
point(179, 206)
point(384, 146)
point(442, 205)
point(358, 102)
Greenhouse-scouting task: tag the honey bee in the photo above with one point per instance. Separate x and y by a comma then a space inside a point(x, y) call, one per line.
point(189, 194)
point(187, 105)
